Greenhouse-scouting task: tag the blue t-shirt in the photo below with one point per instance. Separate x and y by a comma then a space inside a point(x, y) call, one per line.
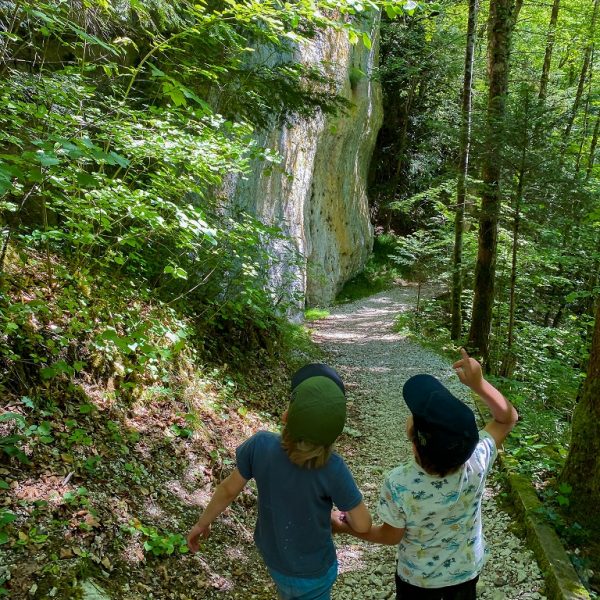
point(293, 530)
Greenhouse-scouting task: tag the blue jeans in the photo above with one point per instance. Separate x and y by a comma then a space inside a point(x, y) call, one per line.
point(302, 588)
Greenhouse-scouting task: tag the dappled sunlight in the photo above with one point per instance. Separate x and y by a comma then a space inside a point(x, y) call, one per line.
point(195, 470)
point(153, 510)
point(351, 558)
point(133, 551)
point(199, 497)
point(49, 488)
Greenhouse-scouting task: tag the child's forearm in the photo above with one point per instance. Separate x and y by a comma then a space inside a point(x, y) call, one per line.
point(221, 499)
point(379, 534)
point(502, 410)
point(470, 373)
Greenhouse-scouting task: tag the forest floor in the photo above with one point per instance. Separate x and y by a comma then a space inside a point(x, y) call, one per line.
point(164, 480)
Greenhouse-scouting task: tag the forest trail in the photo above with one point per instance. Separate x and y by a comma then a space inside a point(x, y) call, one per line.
point(374, 362)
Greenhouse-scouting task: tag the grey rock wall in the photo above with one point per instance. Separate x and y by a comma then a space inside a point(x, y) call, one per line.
point(318, 196)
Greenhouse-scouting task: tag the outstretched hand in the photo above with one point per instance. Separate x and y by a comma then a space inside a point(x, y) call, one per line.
point(197, 533)
point(468, 370)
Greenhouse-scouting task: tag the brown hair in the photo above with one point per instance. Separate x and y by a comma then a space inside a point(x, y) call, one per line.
point(426, 462)
point(303, 453)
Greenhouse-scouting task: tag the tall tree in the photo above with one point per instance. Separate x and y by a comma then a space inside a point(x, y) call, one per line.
point(591, 157)
point(501, 21)
point(549, 49)
point(582, 467)
point(463, 170)
point(583, 74)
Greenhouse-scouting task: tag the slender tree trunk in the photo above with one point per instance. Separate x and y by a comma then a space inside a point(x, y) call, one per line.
point(573, 113)
point(586, 115)
point(549, 49)
point(509, 358)
point(582, 467)
point(500, 25)
point(587, 57)
point(590, 164)
point(401, 153)
point(513, 267)
point(463, 170)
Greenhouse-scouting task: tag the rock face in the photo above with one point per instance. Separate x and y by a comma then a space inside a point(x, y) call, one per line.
point(318, 196)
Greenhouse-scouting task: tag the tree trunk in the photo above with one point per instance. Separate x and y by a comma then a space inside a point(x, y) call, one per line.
point(513, 267)
point(500, 25)
point(582, 467)
point(549, 49)
point(463, 170)
point(587, 56)
point(593, 145)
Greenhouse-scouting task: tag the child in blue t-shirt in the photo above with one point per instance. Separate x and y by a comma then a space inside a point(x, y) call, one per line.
point(299, 479)
point(431, 506)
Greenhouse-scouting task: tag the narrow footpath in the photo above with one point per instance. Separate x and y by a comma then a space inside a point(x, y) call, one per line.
point(374, 363)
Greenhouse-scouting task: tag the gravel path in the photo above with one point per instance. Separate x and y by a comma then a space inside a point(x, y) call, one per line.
point(374, 363)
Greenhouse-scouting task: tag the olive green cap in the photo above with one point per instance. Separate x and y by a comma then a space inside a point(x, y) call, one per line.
point(317, 411)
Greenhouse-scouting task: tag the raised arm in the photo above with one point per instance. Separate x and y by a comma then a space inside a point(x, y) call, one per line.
point(225, 493)
point(504, 414)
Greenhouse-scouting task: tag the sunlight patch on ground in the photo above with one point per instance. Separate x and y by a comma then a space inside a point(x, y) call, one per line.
point(350, 558)
point(133, 552)
point(236, 554)
point(153, 510)
point(50, 488)
point(198, 497)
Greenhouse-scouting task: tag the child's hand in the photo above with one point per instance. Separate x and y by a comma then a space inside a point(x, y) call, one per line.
point(338, 522)
point(468, 371)
point(197, 533)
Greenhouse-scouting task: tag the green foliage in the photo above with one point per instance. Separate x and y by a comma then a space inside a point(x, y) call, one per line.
point(116, 147)
point(158, 543)
point(314, 314)
point(6, 518)
point(378, 274)
point(421, 255)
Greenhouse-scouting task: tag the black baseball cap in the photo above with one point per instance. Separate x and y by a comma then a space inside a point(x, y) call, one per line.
point(445, 426)
point(317, 411)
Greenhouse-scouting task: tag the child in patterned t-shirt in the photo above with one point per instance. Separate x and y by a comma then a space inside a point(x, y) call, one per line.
point(431, 506)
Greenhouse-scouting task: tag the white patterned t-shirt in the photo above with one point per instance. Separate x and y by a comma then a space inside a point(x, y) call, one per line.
point(443, 543)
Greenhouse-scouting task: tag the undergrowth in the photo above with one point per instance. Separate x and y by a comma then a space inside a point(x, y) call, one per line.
point(378, 274)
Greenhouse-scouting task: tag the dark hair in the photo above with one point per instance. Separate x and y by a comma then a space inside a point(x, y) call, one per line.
point(429, 463)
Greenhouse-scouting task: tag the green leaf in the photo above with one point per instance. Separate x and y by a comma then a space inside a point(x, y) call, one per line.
point(4, 485)
point(10, 416)
point(6, 517)
point(27, 401)
point(177, 272)
point(565, 488)
point(47, 160)
point(366, 40)
point(120, 160)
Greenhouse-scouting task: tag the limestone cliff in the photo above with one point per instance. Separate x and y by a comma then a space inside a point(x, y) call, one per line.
point(318, 197)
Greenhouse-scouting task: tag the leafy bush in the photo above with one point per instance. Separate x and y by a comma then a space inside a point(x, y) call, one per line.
point(156, 542)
